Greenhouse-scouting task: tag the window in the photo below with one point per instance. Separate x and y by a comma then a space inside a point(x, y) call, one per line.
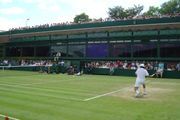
point(0, 51)
point(76, 50)
point(169, 50)
point(13, 51)
point(60, 48)
point(97, 50)
point(120, 50)
point(27, 51)
point(145, 50)
point(43, 51)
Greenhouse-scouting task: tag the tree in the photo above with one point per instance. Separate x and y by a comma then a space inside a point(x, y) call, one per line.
point(153, 11)
point(117, 12)
point(136, 10)
point(81, 18)
point(97, 19)
point(170, 7)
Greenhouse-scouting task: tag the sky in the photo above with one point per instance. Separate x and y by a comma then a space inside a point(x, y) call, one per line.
point(19, 13)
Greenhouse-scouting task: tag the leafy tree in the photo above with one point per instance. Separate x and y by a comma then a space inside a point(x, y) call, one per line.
point(170, 7)
point(120, 12)
point(81, 18)
point(117, 12)
point(153, 11)
point(136, 10)
point(97, 19)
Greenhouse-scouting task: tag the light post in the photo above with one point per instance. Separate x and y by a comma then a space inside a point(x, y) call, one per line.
point(27, 21)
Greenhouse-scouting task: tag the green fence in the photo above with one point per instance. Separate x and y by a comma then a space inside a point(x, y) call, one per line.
point(169, 32)
point(120, 34)
point(146, 33)
point(98, 71)
point(77, 36)
point(126, 72)
point(97, 35)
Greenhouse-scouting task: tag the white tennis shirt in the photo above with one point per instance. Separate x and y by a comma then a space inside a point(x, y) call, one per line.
point(141, 73)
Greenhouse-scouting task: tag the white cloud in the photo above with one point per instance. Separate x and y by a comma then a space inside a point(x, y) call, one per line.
point(13, 10)
point(64, 19)
point(93, 8)
point(44, 6)
point(99, 8)
point(6, 24)
point(49, 5)
point(6, 1)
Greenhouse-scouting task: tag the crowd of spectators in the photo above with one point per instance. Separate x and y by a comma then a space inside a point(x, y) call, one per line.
point(93, 21)
point(26, 63)
point(133, 65)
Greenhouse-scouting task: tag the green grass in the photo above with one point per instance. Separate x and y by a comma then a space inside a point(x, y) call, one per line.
point(35, 96)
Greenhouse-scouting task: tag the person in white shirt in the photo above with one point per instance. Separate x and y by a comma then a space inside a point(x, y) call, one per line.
point(141, 73)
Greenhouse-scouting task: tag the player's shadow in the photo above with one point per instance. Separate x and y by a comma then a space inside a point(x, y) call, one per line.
point(139, 96)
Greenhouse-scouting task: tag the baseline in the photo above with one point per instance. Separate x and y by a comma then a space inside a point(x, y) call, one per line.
point(5, 116)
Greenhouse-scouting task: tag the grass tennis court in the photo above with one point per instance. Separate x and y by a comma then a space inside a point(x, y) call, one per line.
point(35, 96)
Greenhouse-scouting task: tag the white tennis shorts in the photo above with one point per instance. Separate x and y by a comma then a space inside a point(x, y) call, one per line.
point(139, 82)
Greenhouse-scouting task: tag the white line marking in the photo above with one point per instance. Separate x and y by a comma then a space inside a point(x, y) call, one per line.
point(8, 117)
point(98, 96)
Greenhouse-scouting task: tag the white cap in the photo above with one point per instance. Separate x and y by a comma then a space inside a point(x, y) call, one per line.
point(141, 65)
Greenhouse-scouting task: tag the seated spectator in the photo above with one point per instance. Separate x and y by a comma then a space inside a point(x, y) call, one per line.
point(159, 72)
point(62, 63)
point(89, 71)
point(70, 71)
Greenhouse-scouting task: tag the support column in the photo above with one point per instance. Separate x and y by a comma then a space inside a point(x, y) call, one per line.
point(158, 45)
point(108, 45)
point(34, 52)
point(21, 49)
point(67, 46)
point(86, 54)
point(3, 51)
point(132, 44)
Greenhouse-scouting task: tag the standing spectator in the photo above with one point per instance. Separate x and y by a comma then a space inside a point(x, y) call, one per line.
point(58, 54)
point(156, 65)
point(178, 66)
point(112, 68)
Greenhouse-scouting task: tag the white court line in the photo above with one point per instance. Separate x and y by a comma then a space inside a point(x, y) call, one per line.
point(98, 96)
point(8, 117)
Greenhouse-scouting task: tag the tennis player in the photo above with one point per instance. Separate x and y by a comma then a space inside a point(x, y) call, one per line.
point(141, 74)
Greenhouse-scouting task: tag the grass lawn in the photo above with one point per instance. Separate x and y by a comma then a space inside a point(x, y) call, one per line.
point(36, 96)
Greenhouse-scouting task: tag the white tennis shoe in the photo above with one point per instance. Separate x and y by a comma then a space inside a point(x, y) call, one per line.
point(137, 93)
